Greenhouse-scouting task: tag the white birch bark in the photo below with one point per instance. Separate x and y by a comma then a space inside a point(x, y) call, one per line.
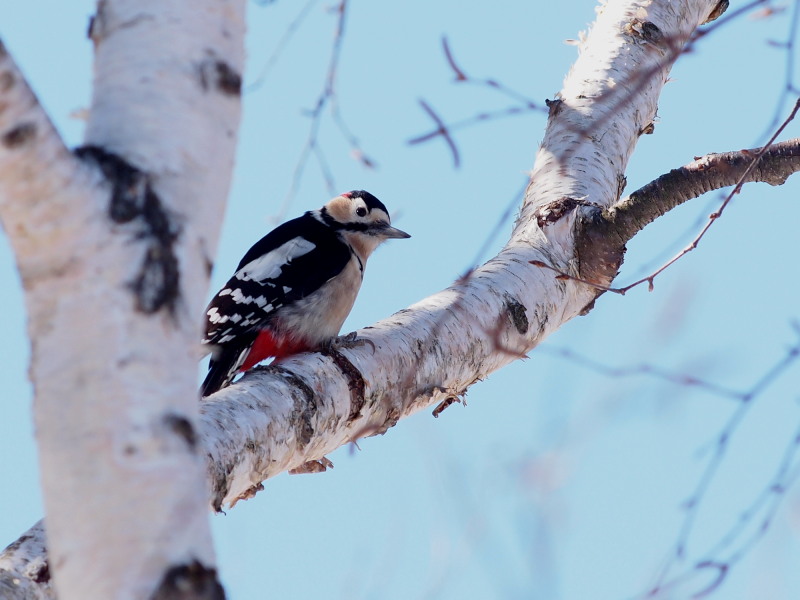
point(114, 301)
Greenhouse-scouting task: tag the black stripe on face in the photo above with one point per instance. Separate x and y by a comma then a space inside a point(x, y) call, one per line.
point(328, 219)
point(355, 226)
point(336, 225)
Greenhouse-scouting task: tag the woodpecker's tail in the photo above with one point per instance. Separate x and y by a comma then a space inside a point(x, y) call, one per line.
point(222, 369)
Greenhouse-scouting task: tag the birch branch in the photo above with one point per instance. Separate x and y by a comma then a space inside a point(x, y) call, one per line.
point(604, 233)
point(704, 174)
point(289, 416)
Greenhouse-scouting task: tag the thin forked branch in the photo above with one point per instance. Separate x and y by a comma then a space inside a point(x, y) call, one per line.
point(772, 163)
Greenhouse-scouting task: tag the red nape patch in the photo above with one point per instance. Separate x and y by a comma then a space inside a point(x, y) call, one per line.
point(268, 345)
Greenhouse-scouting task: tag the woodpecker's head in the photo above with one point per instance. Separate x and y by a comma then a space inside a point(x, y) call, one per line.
point(362, 219)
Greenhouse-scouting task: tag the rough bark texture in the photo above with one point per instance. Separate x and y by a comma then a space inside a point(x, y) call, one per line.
point(24, 568)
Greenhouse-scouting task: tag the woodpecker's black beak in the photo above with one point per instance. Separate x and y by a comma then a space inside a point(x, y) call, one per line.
point(390, 232)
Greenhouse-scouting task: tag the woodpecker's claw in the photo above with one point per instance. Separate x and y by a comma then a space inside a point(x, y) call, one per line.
point(351, 340)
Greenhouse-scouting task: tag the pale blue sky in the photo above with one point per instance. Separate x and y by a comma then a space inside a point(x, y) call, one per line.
point(555, 482)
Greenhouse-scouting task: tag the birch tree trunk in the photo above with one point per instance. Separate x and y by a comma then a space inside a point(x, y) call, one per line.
point(118, 411)
point(113, 245)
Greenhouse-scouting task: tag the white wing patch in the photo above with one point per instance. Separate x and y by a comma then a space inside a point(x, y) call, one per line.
point(270, 265)
point(213, 315)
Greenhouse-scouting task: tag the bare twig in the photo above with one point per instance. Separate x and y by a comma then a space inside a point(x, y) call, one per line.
point(632, 214)
point(642, 369)
point(326, 99)
point(441, 129)
point(771, 495)
point(718, 213)
point(293, 28)
point(616, 95)
point(501, 222)
point(522, 104)
point(789, 46)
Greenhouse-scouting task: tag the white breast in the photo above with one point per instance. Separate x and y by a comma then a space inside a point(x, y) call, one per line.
point(319, 316)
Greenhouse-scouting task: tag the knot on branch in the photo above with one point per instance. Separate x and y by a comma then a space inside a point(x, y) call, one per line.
point(599, 253)
point(551, 212)
point(553, 106)
point(646, 32)
point(182, 427)
point(193, 581)
point(517, 313)
point(19, 136)
point(216, 74)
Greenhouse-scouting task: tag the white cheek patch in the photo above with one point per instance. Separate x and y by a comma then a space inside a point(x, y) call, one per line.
point(339, 208)
point(270, 265)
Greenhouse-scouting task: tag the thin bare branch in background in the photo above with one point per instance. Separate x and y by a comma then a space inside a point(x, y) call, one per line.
point(712, 218)
point(327, 99)
point(287, 36)
point(730, 548)
point(441, 130)
point(789, 46)
point(503, 221)
point(625, 89)
point(642, 369)
point(312, 141)
point(522, 104)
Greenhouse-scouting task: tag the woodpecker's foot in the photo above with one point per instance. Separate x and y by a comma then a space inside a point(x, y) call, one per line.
point(351, 340)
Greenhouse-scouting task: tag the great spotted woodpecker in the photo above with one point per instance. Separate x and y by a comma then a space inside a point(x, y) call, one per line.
point(295, 287)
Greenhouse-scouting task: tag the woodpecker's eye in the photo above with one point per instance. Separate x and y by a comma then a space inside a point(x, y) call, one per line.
point(361, 211)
